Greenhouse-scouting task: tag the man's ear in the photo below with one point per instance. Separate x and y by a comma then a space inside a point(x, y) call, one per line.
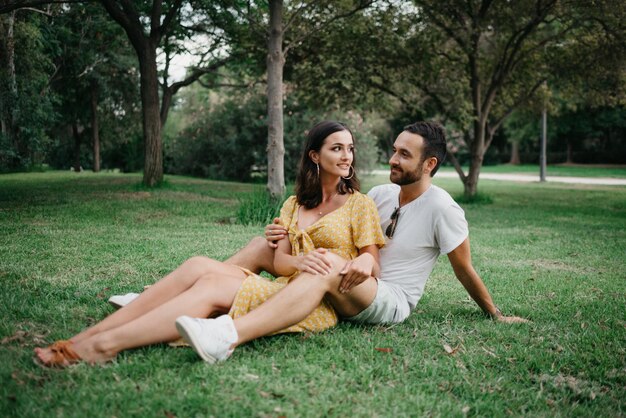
point(430, 164)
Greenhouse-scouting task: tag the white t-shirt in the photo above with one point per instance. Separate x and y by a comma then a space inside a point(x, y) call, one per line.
point(430, 225)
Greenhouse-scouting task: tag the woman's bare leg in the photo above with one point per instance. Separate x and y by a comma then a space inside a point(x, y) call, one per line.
point(210, 294)
point(256, 256)
point(166, 289)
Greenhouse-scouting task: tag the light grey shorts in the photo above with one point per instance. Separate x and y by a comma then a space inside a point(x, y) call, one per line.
point(382, 309)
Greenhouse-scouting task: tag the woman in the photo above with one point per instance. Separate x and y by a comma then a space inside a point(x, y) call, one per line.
point(327, 212)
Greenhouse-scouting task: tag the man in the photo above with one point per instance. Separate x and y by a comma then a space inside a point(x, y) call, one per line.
point(420, 221)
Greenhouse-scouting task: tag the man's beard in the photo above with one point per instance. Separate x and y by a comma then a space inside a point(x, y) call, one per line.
point(408, 177)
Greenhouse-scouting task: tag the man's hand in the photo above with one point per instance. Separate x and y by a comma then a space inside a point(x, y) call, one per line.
point(511, 319)
point(275, 232)
point(497, 316)
point(356, 272)
point(314, 262)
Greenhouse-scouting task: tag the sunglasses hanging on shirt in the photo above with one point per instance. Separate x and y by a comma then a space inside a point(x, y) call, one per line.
point(394, 222)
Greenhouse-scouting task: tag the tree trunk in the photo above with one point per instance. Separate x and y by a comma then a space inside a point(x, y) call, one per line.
point(477, 153)
point(8, 86)
point(95, 135)
point(570, 153)
point(275, 64)
point(153, 146)
point(76, 136)
point(515, 159)
point(166, 103)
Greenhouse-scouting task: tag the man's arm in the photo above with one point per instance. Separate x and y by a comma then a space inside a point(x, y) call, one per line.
point(461, 261)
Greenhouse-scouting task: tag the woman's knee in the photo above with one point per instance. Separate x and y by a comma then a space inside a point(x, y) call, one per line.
point(331, 280)
point(337, 262)
point(258, 242)
point(202, 265)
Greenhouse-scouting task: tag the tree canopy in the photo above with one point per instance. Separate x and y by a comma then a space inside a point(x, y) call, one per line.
point(89, 69)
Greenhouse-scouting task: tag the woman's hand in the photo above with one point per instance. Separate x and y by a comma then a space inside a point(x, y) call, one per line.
point(275, 232)
point(315, 262)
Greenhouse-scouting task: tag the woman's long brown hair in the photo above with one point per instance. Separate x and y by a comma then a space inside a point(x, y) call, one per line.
point(308, 186)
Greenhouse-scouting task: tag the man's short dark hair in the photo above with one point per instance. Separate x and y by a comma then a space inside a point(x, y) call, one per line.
point(434, 141)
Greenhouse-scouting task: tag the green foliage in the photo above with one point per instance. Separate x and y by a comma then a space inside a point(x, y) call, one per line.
point(575, 135)
point(96, 61)
point(258, 208)
point(227, 138)
point(404, 61)
point(226, 143)
point(32, 105)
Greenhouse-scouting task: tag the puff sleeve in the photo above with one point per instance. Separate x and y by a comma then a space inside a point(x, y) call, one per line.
point(287, 211)
point(365, 223)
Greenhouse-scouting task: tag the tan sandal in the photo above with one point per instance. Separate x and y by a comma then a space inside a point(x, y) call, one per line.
point(63, 355)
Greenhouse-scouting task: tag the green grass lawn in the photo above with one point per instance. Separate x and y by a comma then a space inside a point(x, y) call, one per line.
point(553, 253)
point(552, 170)
point(560, 170)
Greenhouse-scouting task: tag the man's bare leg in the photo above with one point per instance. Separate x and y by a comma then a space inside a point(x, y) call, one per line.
point(300, 297)
point(256, 256)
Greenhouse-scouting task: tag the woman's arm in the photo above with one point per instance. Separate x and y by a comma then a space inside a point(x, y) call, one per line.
point(283, 260)
point(361, 268)
point(286, 264)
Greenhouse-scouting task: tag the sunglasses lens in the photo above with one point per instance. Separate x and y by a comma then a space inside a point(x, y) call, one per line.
point(389, 230)
point(392, 226)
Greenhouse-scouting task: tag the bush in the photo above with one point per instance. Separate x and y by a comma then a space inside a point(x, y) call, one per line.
point(258, 208)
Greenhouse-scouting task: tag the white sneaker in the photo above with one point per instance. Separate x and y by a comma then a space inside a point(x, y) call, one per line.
point(210, 338)
point(118, 301)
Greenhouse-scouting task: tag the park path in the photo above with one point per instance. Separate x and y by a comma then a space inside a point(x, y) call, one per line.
point(527, 178)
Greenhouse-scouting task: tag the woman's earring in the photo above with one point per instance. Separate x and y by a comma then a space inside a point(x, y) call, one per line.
point(351, 175)
point(318, 170)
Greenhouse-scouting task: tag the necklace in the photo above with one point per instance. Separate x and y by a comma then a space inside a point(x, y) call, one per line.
point(331, 198)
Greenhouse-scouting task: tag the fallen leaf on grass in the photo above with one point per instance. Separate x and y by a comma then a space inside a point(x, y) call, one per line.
point(102, 293)
point(250, 376)
point(19, 335)
point(384, 349)
point(450, 350)
point(270, 394)
point(16, 378)
point(23, 337)
point(169, 414)
point(24, 377)
point(491, 353)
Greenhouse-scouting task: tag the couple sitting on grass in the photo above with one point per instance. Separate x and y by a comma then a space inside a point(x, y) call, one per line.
point(336, 263)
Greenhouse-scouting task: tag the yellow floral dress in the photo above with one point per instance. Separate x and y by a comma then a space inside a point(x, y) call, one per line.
point(344, 231)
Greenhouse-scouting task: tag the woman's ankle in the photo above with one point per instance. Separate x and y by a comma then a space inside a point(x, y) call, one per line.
point(95, 349)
